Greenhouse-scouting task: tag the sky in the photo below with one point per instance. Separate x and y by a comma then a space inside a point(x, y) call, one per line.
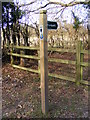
point(51, 14)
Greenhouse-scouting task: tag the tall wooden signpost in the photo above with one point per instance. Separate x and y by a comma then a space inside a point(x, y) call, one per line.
point(43, 61)
point(43, 26)
point(0, 62)
point(88, 44)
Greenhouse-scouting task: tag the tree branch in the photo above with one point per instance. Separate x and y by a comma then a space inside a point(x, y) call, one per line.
point(23, 5)
point(56, 3)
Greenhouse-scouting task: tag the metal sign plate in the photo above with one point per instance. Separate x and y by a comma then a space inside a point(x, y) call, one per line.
point(52, 25)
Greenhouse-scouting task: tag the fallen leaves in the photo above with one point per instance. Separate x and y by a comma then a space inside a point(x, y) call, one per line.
point(22, 95)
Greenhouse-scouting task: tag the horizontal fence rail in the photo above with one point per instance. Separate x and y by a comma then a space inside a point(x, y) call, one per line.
point(68, 78)
point(61, 50)
point(24, 68)
point(24, 56)
point(26, 47)
point(61, 61)
point(62, 77)
point(23, 47)
point(85, 64)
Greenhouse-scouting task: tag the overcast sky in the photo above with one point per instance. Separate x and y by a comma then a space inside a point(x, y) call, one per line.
point(67, 15)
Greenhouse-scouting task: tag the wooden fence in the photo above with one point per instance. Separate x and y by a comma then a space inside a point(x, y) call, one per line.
point(79, 63)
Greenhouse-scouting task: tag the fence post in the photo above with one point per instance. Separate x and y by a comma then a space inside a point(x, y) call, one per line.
point(43, 61)
point(22, 61)
point(81, 67)
point(78, 49)
point(11, 50)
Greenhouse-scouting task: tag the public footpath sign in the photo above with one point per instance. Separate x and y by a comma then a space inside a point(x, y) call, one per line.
point(52, 25)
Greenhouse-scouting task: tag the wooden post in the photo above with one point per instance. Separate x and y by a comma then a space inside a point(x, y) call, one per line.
point(43, 61)
point(88, 46)
point(11, 50)
point(22, 60)
point(81, 67)
point(0, 61)
point(78, 62)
